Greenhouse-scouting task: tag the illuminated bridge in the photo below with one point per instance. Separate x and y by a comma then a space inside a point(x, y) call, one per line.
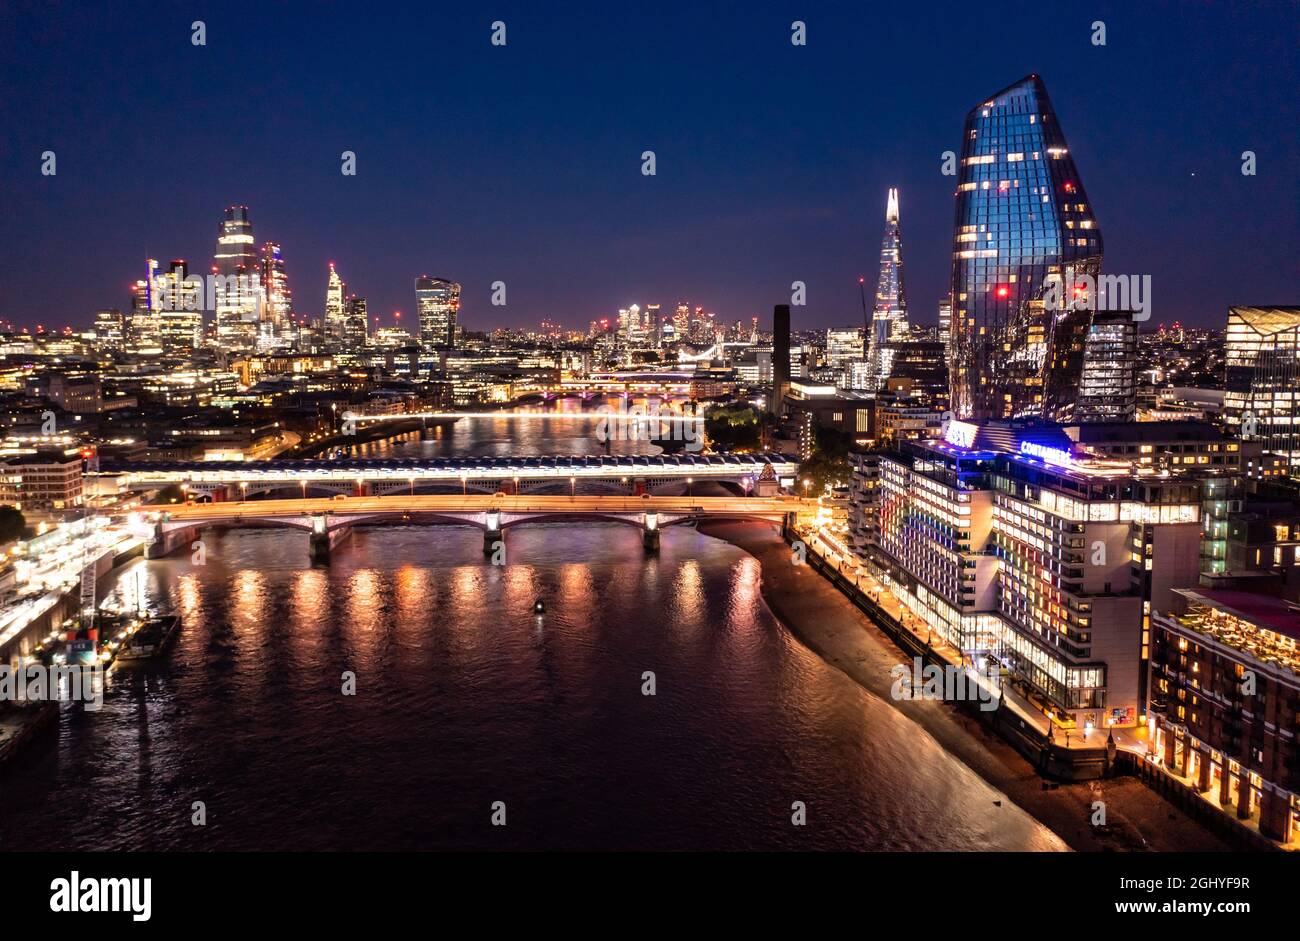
point(615, 475)
point(330, 521)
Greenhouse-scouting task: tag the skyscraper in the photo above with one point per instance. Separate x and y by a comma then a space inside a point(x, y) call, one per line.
point(238, 295)
point(945, 325)
point(275, 281)
point(180, 317)
point(1262, 397)
point(438, 301)
point(356, 325)
point(143, 327)
point(1108, 385)
point(336, 292)
point(1022, 218)
point(889, 317)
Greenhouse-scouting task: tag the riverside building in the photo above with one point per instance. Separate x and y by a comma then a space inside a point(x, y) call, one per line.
point(1225, 702)
point(1004, 540)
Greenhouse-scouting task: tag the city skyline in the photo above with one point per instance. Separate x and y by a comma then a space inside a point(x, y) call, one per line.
point(556, 447)
point(801, 203)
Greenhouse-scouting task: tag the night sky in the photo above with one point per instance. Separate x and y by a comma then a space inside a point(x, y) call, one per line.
point(523, 163)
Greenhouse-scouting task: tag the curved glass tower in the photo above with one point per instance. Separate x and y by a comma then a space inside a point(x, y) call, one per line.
point(1022, 219)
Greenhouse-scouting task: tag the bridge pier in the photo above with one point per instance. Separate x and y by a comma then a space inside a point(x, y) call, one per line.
point(493, 534)
point(650, 532)
point(165, 542)
point(322, 540)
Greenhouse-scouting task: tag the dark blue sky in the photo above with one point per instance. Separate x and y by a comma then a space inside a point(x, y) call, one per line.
point(522, 163)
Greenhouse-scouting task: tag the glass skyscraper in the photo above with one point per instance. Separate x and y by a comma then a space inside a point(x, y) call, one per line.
point(1022, 217)
point(438, 302)
point(889, 317)
point(238, 296)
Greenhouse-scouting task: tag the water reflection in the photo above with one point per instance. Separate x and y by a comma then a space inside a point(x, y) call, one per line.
point(464, 697)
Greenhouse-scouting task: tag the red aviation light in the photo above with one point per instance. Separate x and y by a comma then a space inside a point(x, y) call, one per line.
point(1003, 291)
point(1069, 187)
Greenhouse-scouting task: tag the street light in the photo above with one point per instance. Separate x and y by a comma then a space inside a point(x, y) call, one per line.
point(411, 481)
point(573, 487)
point(464, 485)
point(688, 486)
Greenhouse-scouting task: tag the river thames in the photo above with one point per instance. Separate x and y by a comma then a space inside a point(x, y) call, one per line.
point(465, 698)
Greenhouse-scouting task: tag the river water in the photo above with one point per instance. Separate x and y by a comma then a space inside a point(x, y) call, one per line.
point(465, 701)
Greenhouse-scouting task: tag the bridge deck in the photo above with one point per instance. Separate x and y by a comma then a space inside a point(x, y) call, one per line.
point(701, 506)
point(659, 465)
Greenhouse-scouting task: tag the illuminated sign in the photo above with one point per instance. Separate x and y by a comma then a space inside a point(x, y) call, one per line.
point(1046, 453)
point(960, 434)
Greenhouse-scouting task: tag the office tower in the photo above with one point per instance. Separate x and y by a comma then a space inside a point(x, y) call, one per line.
point(843, 350)
point(1108, 386)
point(437, 301)
point(146, 304)
point(682, 320)
point(653, 320)
point(180, 318)
point(889, 317)
point(1262, 390)
point(237, 293)
point(945, 325)
point(701, 328)
point(356, 326)
point(780, 356)
point(110, 328)
point(275, 282)
point(1022, 218)
point(921, 367)
point(336, 293)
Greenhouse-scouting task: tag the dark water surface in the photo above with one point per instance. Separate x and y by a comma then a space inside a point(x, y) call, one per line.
point(464, 698)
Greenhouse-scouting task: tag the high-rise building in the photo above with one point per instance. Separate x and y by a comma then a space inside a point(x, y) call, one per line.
point(238, 293)
point(356, 325)
point(843, 346)
point(1108, 385)
point(143, 327)
point(1262, 389)
point(110, 328)
point(889, 317)
point(275, 281)
point(780, 356)
point(336, 314)
point(438, 302)
point(1022, 219)
point(180, 318)
point(682, 320)
point(945, 326)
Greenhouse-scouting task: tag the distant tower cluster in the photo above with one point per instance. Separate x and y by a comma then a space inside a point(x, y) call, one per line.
point(889, 317)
